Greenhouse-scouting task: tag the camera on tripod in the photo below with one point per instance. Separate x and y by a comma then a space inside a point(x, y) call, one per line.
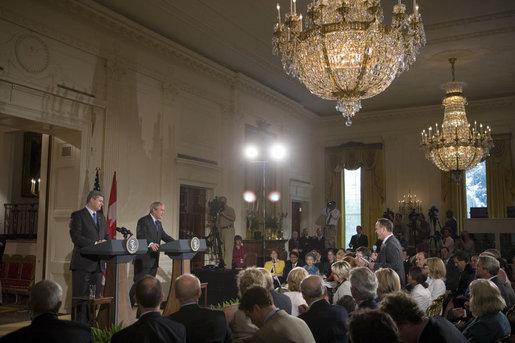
point(215, 207)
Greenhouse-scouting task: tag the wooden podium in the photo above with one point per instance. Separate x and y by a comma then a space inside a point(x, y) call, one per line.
point(181, 252)
point(115, 253)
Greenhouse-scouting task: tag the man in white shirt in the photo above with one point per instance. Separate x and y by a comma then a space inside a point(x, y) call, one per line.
point(332, 215)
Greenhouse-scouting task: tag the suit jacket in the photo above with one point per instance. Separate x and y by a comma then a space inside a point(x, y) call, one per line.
point(328, 323)
point(356, 242)
point(151, 327)
point(390, 256)
point(84, 233)
point(370, 304)
point(203, 324)
point(466, 277)
point(288, 267)
point(502, 289)
point(440, 330)
point(281, 301)
point(48, 328)
point(487, 328)
point(452, 276)
point(281, 328)
point(147, 230)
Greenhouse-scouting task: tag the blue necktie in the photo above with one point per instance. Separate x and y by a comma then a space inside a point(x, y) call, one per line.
point(95, 218)
point(157, 225)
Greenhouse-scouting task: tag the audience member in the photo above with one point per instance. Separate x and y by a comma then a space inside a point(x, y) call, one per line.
point(294, 242)
point(447, 240)
point(363, 283)
point(281, 301)
point(305, 243)
point(341, 276)
point(436, 277)
point(326, 267)
point(274, 324)
point(202, 324)
point(359, 239)
point(151, 325)
point(387, 282)
point(294, 278)
point(466, 273)
point(293, 262)
point(363, 256)
point(328, 323)
point(390, 255)
point(452, 273)
point(420, 259)
point(340, 254)
point(275, 266)
point(45, 301)
point(486, 304)
point(348, 302)
point(465, 243)
point(351, 261)
point(239, 254)
point(487, 268)
point(414, 326)
point(310, 266)
point(407, 262)
point(318, 242)
point(419, 291)
point(371, 326)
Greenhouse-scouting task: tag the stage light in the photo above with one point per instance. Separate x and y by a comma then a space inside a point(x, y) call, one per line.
point(249, 196)
point(251, 152)
point(278, 151)
point(274, 196)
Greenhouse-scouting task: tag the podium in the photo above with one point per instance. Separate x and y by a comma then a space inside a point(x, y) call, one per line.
point(115, 253)
point(181, 252)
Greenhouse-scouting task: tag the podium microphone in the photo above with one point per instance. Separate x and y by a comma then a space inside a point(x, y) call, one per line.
point(124, 231)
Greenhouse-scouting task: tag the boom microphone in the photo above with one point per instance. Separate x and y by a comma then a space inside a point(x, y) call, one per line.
point(124, 231)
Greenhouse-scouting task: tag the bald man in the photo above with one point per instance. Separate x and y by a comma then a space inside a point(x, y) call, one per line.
point(202, 324)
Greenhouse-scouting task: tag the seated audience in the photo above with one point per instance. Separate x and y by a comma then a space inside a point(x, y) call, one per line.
point(318, 242)
point(348, 302)
point(371, 326)
point(328, 323)
point(239, 254)
point(326, 266)
point(293, 262)
point(275, 266)
point(363, 283)
point(294, 293)
point(274, 325)
point(151, 325)
point(310, 265)
point(419, 292)
point(387, 282)
point(452, 273)
point(486, 304)
point(340, 254)
point(420, 259)
point(437, 274)
point(202, 324)
point(341, 276)
point(406, 262)
point(351, 261)
point(467, 273)
point(45, 301)
point(305, 243)
point(281, 301)
point(414, 326)
point(363, 256)
point(488, 268)
point(294, 242)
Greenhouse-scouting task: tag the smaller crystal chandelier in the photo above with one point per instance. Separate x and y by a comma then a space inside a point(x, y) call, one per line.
point(456, 147)
point(408, 203)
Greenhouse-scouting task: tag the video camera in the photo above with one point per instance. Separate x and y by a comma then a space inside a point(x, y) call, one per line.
point(215, 207)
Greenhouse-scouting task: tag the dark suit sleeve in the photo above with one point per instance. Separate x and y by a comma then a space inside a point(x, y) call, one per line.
point(141, 232)
point(76, 235)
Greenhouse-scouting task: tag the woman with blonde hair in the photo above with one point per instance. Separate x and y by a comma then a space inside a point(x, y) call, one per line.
point(388, 281)
point(341, 276)
point(486, 304)
point(437, 274)
point(294, 278)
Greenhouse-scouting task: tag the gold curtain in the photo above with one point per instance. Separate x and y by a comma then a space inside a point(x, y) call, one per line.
point(454, 198)
point(499, 177)
point(351, 156)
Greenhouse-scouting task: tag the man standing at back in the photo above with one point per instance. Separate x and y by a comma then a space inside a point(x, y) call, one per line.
point(151, 326)
point(390, 255)
point(150, 228)
point(45, 301)
point(202, 324)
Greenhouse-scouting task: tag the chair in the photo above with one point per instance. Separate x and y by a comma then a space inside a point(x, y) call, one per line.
point(435, 309)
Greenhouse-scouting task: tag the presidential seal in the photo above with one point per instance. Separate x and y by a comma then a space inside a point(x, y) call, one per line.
point(195, 244)
point(131, 245)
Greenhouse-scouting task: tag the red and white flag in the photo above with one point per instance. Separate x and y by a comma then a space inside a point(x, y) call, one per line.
point(111, 210)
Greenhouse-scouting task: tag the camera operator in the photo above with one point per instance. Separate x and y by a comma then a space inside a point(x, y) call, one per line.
point(225, 224)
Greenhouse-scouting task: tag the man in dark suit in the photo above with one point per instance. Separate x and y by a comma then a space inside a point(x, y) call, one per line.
point(202, 324)
point(151, 326)
point(413, 324)
point(328, 323)
point(150, 228)
point(87, 228)
point(452, 275)
point(359, 239)
point(488, 268)
point(293, 262)
point(45, 301)
point(390, 255)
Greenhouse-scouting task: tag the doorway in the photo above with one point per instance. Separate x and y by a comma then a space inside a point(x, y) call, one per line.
point(296, 216)
point(192, 217)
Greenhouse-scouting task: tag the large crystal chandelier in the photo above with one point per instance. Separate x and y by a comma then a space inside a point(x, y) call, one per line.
point(343, 52)
point(456, 147)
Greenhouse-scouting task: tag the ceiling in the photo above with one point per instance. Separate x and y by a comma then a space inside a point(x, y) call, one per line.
point(237, 34)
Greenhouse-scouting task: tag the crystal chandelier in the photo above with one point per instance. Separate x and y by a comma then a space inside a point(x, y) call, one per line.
point(456, 147)
point(343, 52)
point(408, 203)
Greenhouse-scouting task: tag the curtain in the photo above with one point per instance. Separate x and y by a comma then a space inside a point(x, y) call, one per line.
point(351, 156)
point(499, 177)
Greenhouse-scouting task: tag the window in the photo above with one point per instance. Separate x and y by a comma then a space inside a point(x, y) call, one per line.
point(475, 184)
point(352, 196)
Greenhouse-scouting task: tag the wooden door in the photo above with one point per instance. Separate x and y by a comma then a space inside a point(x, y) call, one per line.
point(192, 217)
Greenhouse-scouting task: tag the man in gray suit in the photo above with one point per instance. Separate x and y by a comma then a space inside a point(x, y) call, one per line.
point(150, 228)
point(390, 255)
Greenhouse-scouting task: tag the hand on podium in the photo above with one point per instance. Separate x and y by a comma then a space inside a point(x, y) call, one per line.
point(154, 246)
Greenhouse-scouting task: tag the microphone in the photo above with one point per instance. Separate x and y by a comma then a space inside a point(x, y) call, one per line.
point(124, 231)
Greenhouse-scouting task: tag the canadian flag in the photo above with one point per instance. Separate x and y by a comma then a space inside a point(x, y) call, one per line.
point(111, 210)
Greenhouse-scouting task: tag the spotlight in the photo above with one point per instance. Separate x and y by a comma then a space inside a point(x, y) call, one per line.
point(278, 151)
point(249, 196)
point(251, 152)
point(274, 196)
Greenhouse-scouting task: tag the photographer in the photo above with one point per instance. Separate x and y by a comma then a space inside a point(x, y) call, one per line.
point(225, 224)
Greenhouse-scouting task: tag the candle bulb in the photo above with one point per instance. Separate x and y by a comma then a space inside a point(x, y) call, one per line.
point(279, 13)
point(291, 6)
point(300, 22)
point(295, 7)
point(399, 3)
